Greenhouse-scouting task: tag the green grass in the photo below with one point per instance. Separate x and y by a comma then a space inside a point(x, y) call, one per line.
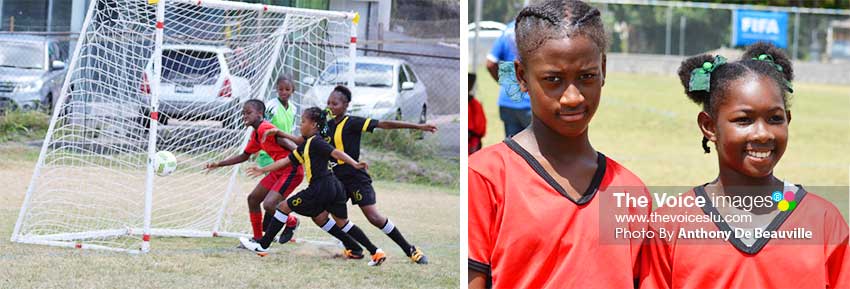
point(427, 215)
point(646, 123)
point(18, 125)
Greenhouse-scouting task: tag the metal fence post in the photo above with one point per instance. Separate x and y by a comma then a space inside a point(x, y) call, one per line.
point(682, 24)
point(796, 35)
point(668, 32)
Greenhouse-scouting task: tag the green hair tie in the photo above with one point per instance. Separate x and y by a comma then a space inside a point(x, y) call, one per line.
point(769, 59)
point(701, 76)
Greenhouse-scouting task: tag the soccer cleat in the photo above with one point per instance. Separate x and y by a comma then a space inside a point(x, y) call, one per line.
point(240, 246)
point(348, 254)
point(253, 246)
point(417, 256)
point(378, 258)
point(289, 230)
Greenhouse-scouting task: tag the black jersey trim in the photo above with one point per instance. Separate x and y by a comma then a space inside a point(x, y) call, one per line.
point(601, 163)
point(483, 268)
point(777, 221)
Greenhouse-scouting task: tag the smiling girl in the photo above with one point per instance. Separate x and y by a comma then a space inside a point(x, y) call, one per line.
point(745, 113)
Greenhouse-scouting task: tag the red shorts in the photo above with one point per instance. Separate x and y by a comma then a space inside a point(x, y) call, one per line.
point(284, 180)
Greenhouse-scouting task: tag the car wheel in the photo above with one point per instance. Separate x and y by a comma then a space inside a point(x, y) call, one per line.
point(144, 123)
point(423, 116)
point(231, 119)
point(48, 104)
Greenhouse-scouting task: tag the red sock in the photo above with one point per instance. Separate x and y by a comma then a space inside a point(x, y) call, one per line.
point(257, 224)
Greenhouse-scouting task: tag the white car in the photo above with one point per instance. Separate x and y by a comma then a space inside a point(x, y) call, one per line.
point(385, 88)
point(197, 84)
point(487, 35)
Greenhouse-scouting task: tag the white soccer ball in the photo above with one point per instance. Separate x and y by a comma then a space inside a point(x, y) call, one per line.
point(165, 163)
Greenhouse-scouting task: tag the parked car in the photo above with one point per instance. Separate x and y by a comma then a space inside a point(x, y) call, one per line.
point(384, 88)
point(487, 35)
point(197, 84)
point(32, 69)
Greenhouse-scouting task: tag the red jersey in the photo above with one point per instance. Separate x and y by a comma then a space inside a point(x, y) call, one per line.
point(685, 261)
point(525, 232)
point(269, 145)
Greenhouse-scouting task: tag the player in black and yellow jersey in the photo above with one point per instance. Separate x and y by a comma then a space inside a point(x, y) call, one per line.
point(323, 194)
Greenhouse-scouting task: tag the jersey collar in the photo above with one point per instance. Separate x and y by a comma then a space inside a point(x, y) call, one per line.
point(601, 162)
point(721, 224)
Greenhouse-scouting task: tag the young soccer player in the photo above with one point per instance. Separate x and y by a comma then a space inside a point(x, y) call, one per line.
point(745, 113)
point(279, 112)
point(345, 132)
point(324, 192)
point(534, 200)
point(278, 184)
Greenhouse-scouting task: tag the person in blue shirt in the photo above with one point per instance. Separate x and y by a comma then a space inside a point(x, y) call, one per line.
point(514, 110)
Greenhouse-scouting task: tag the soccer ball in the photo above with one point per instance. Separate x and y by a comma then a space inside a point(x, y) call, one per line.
point(165, 163)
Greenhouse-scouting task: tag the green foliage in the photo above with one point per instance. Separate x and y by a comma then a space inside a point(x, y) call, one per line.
point(830, 4)
point(399, 155)
point(401, 141)
point(498, 10)
point(18, 125)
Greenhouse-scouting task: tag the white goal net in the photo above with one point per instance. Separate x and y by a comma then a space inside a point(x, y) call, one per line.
point(167, 75)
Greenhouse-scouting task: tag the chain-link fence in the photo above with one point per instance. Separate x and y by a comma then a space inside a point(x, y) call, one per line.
point(683, 28)
point(427, 18)
point(32, 69)
point(438, 72)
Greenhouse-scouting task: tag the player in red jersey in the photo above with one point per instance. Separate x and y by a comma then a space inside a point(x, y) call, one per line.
point(534, 201)
point(745, 113)
point(280, 182)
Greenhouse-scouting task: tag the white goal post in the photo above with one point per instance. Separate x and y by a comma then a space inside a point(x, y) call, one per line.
point(166, 75)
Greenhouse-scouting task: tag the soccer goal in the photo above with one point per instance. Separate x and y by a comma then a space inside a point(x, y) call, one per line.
point(166, 75)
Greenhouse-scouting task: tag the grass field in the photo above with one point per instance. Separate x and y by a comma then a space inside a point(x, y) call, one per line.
point(646, 123)
point(428, 217)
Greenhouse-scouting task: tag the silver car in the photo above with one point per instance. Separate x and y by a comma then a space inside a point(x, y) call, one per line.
point(32, 69)
point(385, 88)
point(198, 83)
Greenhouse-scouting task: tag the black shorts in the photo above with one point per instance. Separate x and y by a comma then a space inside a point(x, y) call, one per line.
point(358, 188)
point(323, 194)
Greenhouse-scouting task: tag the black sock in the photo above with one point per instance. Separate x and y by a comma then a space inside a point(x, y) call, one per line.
point(347, 241)
point(275, 225)
point(358, 235)
point(393, 232)
point(267, 219)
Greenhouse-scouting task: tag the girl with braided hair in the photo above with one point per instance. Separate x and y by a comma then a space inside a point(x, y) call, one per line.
point(535, 201)
point(323, 193)
point(745, 114)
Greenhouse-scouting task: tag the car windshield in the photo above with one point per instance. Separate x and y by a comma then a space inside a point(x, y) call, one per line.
point(190, 67)
point(365, 74)
point(21, 55)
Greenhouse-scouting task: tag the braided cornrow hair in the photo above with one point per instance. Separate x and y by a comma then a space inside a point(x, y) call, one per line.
point(320, 117)
point(558, 19)
point(760, 59)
